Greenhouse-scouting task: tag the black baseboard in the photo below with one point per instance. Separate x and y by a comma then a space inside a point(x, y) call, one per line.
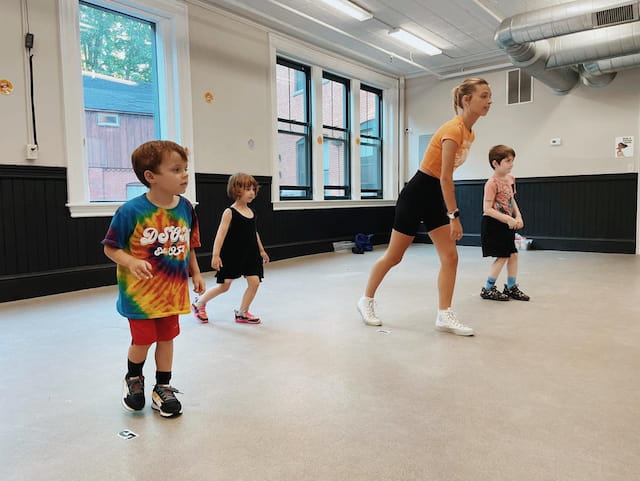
point(607, 246)
point(27, 286)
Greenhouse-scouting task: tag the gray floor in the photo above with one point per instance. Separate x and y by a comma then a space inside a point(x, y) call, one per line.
point(546, 390)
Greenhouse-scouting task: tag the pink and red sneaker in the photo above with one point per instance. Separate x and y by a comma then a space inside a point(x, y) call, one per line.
point(246, 317)
point(200, 312)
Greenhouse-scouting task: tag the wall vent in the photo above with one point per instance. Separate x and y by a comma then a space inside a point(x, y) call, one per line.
point(519, 87)
point(613, 16)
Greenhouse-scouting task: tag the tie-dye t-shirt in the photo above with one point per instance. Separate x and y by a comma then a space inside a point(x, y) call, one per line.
point(164, 238)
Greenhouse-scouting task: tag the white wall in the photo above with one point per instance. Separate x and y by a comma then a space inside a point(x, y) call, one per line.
point(15, 109)
point(228, 59)
point(587, 120)
point(231, 60)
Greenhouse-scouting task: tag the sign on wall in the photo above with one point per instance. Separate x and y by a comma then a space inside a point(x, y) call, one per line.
point(624, 147)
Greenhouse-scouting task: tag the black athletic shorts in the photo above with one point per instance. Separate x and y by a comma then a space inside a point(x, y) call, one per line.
point(497, 239)
point(420, 200)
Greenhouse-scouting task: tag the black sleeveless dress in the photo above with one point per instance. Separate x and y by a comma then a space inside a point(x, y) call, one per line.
point(240, 253)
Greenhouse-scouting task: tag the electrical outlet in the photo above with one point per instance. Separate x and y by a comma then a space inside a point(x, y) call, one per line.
point(32, 151)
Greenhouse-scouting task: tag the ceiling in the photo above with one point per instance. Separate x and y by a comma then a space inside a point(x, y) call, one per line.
point(462, 29)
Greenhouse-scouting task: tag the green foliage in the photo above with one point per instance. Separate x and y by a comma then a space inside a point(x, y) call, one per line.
point(116, 45)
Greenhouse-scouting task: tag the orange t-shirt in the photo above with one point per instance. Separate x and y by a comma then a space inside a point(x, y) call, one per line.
point(454, 130)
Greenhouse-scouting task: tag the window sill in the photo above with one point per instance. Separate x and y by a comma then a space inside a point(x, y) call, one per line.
point(102, 209)
point(330, 204)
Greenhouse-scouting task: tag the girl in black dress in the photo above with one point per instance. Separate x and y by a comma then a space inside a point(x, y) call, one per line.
point(237, 250)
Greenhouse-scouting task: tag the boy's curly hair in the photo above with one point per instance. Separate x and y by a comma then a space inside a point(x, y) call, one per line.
point(239, 182)
point(149, 155)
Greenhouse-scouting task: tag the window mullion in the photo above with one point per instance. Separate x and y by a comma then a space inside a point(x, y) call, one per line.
point(354, 119)
point(317, 165)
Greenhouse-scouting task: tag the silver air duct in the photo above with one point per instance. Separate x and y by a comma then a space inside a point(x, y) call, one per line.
point(595, 74)
point(581, 31)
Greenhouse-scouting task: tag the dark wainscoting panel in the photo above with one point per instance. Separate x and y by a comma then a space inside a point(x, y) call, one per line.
point(588, 213)
point(45, 251)
point(287, 233)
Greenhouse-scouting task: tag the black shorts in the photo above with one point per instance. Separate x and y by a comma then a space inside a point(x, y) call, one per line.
point(420, 200)
point(497, 239)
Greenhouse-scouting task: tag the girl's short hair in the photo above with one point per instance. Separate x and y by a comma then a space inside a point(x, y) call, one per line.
point(149, 155)
point(466, 88)
point(239, 182)
point(499, 153)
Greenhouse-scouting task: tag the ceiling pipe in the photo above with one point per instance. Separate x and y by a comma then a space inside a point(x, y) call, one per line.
point(596, 74)
point(532, 58)
point(574, 38)
point(552, 21)
point(610, 42)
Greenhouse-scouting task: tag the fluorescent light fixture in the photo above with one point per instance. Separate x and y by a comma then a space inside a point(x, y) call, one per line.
point(415, 42)
point(351, 9)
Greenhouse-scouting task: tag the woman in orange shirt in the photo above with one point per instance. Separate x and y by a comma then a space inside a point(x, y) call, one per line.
point(429, 197)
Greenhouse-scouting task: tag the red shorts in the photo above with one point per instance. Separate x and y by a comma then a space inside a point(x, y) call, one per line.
point(148, 331)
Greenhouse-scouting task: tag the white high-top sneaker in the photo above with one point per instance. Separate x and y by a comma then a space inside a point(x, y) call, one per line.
point(448, 322)
point(365, 307)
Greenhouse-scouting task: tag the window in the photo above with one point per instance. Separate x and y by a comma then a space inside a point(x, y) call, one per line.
point(336, 140)
point(107, 120)
point(125, 66)
point(117, 52)
point(135, 189)
point(294, 130)
point(370, 142)
point(320, 104)
point(301, 81)
point(519, 87)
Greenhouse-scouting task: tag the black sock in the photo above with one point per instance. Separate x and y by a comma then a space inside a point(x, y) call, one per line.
point(135, 369)
point(163, 377)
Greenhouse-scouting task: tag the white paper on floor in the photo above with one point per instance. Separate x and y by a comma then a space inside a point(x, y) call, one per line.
point(127, 434)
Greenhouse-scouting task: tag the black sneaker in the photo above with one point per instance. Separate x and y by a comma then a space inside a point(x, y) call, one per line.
point(165, 401)
point(493, 294)
point(133, 395)
point(515, 293)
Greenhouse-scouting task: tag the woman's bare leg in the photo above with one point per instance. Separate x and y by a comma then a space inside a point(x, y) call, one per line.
point(448, 253)
point(398, 245)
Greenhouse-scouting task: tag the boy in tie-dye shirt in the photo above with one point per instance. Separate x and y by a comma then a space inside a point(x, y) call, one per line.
point(150, 238)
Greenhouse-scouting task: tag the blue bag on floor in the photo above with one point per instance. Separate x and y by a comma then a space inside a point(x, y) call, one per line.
point(363, 242)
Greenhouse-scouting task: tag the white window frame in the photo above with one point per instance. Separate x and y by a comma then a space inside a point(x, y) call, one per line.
point(174, 85)
point(320, 61)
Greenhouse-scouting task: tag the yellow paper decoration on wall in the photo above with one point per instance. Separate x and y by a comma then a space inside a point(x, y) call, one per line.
point(6, 87)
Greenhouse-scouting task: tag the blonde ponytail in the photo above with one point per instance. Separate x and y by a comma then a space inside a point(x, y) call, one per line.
point(465, 88)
